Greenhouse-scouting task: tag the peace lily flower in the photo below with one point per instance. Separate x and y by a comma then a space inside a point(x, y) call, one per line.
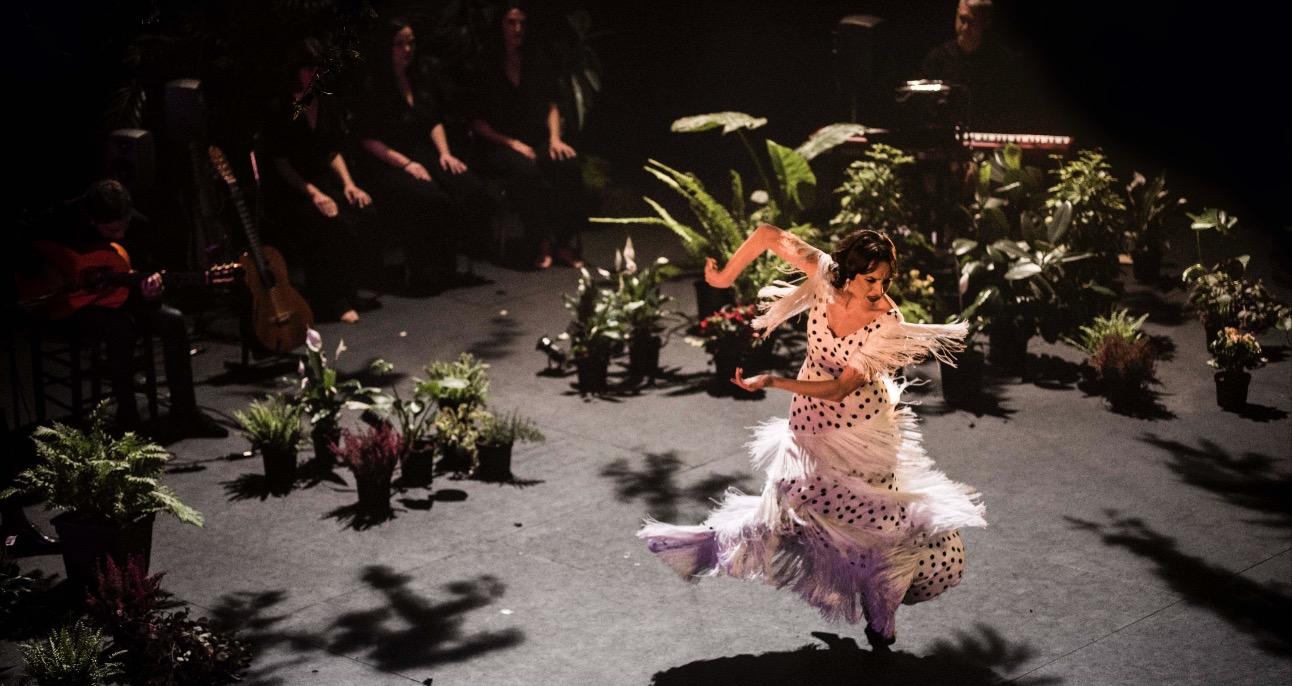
point(313, 340)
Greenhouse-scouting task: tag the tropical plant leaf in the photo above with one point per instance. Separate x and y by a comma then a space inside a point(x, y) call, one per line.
point(792, 172)
point(728, 121)
point(1021, 271)
point(828, 137)
point(1057, 224)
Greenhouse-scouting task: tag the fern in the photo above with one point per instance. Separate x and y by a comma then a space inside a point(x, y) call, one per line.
point(71, 656)
point(274, 423)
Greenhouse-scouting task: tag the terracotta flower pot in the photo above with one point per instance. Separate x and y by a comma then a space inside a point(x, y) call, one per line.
point(1231, 389)
point(85, 542)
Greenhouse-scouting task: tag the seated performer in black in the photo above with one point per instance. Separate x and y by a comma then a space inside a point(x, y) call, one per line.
point(319, 208)
point(1000, 98)
point(105, 214)
point(419, 184)
point(519, 125)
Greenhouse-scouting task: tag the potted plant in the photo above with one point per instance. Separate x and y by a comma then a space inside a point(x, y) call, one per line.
point(962, 381)
point(782, 199)
point(498, 434)
point(460, 389)
point(595, 327)
point(323, 397)
point(1234, 352)
point(1222, 296)
point(108, 488)
point(412, 416)
point(1147, 233)
point(371, 455)
point(639, 299)
point(273, 426)
point(1121, 356)
point(728, 336)
point(70, 655)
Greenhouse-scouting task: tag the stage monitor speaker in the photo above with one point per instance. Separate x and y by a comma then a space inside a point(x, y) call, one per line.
point(132, 159)
point(185, 111)
point(861, 68)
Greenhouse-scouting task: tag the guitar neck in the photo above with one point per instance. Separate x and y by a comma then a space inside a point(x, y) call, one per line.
point(253, 234)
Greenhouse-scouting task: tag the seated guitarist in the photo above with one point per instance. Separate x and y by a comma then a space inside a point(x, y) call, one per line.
point(105, 211)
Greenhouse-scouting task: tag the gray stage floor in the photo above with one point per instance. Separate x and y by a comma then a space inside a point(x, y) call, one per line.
point(1121, 550)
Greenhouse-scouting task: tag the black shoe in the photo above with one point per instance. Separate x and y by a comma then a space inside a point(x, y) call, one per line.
point(195, 425)
point(877, 641)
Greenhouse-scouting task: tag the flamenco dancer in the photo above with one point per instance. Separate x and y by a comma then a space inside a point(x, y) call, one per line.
point(853, 515)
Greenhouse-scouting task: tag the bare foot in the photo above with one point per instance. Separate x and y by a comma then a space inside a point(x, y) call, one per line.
point(543, 262)
point(569, 257)
point(349, 316)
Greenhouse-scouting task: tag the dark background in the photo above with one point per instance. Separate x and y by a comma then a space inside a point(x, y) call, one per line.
point(1159, 85)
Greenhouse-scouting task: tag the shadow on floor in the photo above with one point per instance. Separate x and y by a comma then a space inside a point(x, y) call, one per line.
point(1262, 611)
point(974, 657)
point(655, 484)
point(1251, 481)
point(502, 332)
point(405, 632)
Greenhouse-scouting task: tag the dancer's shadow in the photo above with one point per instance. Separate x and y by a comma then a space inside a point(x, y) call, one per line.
point(973, 658)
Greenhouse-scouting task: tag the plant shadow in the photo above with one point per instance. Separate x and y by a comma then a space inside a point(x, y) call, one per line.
point(360, 518)
point(503, 331)
point(250, 486)
point(972, 658)
point(655, 484)
point(1262, 611)
point(1252, 481)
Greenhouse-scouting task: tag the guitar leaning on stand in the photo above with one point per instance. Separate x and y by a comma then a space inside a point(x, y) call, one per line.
point(280, 316)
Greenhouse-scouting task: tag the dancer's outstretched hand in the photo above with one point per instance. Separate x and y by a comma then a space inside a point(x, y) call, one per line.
point(753, 383)
point(714, 276)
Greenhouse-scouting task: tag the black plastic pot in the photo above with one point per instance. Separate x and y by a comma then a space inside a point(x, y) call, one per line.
point(455, 459)
point(493, 461)
point(323, 436)
point(280, 468)
point(418, 467)
point(1007, 346)
point(1231, 389)
point(86, 542)
point(1146, 265)
point(962, 382)
point(374, 492)
point(592, 371)
point(725, 361)
point(709, 299)
point(643, 356)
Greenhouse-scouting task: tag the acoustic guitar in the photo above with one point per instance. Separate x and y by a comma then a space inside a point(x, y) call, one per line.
point(73, 278)
point(280, 317)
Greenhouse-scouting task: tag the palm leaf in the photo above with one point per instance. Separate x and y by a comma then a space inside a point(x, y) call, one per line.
point(728, 121)
point(827, 138)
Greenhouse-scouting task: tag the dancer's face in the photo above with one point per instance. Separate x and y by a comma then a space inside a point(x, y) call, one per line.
point(401, 48)
point(873, 284)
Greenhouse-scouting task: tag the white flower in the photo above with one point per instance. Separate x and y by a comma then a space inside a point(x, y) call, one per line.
point(564, 336)
point(760, 197)
point(313, 340)
point(340, 348)
point(300, 367)
point(630, 256)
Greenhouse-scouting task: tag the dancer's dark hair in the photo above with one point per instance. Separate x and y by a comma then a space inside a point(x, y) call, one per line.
point(861, 252)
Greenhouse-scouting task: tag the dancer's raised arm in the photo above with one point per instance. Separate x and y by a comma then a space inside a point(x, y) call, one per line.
point(786, 245)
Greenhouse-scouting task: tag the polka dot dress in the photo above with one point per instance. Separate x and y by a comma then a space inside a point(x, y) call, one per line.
point(852, 516)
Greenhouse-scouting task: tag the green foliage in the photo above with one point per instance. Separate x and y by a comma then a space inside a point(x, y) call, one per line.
point(459, 427)
point(1222, 296)
point(1148, 214)
point(730, 328)
point(638, 295)
point(464, 381)
point(1098, 211)
point(71, 656)
point(1118, 324)
point(412, 416)
point(273, 423)
point(97, 476)
point(785, 193)
point(1234, 350)
point(321, 396)
point(596, 323)
point(916, 299)
point(873, 195)
point(510, 427)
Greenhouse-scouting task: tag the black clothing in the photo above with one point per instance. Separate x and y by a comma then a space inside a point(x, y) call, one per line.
point(1000, 99)
point(327, 246)
point(517, 111)
point(432, 217)
point(548, 194)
